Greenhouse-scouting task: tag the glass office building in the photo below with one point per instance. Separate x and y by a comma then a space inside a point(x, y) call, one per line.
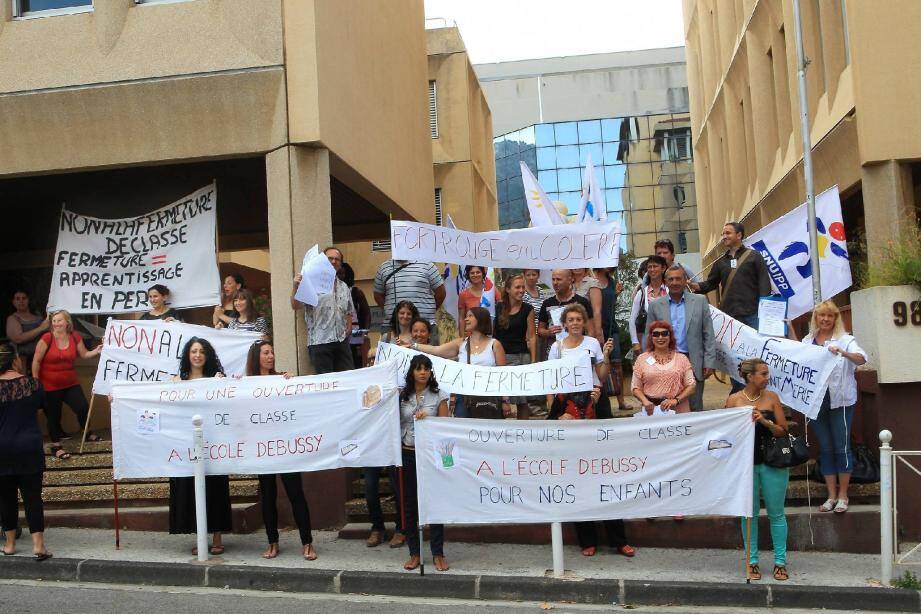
point(643, 163)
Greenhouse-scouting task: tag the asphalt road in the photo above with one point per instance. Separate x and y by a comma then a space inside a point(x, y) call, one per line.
point(25, 597)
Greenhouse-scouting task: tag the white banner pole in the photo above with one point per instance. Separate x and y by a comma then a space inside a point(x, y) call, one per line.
point(885, 507)
point(201, 507)
point(556, 537)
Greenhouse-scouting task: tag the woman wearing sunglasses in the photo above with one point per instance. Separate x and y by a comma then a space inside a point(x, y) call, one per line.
point(662, 376)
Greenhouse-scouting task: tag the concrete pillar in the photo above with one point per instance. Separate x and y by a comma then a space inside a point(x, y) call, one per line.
point(888, 205)
point(300, 215)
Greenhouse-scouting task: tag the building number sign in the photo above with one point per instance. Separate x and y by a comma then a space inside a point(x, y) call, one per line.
point(903, 313)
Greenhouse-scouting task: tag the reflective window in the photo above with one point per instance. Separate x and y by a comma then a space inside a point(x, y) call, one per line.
point(543, 134)
point(615, 176)
point(572, 201)
point(566, 133)
point(546, 157)
point(590, 131)
point(547, 180)
point(614, 198)
point(567, 156)
point(515, 189)
point(569, 179)
point(610, 129)
point(33, 6)
point(526, 135)
point(594, 149)
point(609, 152)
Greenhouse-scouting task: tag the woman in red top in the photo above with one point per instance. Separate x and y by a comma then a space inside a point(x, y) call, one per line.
point(53, 366)
point(472, 295)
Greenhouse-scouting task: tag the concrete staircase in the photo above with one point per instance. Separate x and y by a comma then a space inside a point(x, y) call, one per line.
point(78, 492)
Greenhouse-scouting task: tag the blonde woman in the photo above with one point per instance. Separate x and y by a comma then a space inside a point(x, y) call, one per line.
point(53, 366)
point(833, 424)
point(515, 329)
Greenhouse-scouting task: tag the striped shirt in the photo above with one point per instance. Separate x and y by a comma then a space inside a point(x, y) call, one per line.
point(410, 281)
point(535, 303)
point(259, 325)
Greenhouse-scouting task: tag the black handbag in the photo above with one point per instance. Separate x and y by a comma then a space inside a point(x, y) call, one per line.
point(784, 452)
point(864, 471)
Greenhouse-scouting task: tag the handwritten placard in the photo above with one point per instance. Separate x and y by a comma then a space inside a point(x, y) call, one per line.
point(495, 471)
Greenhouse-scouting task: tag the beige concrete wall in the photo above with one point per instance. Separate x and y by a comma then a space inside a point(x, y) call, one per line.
point(373, 98)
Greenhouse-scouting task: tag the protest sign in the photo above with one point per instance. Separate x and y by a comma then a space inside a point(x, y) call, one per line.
point(799, 371)
point(258, 424)
point(566, 246)
point(784, 244)
point(492, 471)
point(317, 277)
point(149, 350)
point(106, 266)
point(547, 377)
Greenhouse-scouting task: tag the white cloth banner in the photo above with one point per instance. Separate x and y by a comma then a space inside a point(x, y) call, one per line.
point(799, 372)
point(106, 266)
point(784, 244)
point(149, 350)
point(258, 424)
point(494, 471)
point(547, 377)
point(567, 246)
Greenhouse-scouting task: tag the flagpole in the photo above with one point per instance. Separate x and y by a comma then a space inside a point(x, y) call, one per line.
point(802, 62)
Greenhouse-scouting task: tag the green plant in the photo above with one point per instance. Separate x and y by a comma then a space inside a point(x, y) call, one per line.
point(907, 580)
point(899, 264)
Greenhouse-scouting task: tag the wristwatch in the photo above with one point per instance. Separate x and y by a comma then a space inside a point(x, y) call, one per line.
point(414, 345)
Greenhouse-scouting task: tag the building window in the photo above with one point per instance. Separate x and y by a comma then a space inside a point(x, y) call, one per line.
point(44, 8)
point(433, 109)
point(682, 242)
point(438, 217)
point(380, 245)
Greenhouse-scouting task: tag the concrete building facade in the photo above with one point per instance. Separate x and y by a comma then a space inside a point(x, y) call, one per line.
point(628, 110)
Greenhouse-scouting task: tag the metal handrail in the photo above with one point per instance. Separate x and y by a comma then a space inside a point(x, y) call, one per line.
point(888, 506)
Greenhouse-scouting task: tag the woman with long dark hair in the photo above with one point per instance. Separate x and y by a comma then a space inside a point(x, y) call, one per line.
point(225, 312)
point(199, 360)
point(22, 459)
point(401, 323)
point(419, 398)
point(261, 361)
point(24, 327)
point(248, 317)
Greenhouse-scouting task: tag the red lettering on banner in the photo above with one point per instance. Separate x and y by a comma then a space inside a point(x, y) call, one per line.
point(484, 466)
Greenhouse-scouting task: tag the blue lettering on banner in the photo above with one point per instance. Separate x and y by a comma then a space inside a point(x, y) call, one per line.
point(775, 270)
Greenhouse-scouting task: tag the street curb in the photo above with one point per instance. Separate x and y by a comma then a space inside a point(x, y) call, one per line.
point(594, 591)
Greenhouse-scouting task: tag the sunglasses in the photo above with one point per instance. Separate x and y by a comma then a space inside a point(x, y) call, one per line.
point(660, 333)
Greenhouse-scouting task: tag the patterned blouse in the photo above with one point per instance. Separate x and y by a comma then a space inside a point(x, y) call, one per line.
point(663, 381)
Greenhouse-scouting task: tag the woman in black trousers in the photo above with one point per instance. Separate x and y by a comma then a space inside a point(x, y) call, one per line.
point(261, 361)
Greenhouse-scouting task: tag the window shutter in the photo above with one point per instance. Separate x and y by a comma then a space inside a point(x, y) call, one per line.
point(433, 110)
point(438, 216)
point(380, 245)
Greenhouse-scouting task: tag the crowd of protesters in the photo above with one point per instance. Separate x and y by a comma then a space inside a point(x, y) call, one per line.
point(673, 353)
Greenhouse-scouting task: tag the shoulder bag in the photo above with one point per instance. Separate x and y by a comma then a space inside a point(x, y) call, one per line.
point(784, 452)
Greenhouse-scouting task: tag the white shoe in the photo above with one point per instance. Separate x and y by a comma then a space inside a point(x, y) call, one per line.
point(841, 507)
point(828, 506)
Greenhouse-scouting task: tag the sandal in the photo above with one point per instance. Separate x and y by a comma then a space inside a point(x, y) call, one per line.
point(5, 553)
point(413, 563)
point(754, 572)
point(627, 550)
point(841, 507)
point(590, 551)
point(310, 554)
point(828, 506)
point(271, 552)
point(441, 563)
point(42, 556)
point(780, 573)
point(93, 438)
point(216, 550)
point(60, 453)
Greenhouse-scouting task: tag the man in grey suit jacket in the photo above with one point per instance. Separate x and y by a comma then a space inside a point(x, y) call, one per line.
point(689, 315)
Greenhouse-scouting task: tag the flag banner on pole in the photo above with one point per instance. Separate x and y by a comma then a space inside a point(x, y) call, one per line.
point(547, 377)
point(540, 207)
point(149, 350)
point(568, 246)
point(106, 266)
point(799, 372)
point(592, 205)
point(258, 424)
point(496, 471)
point(784, 244)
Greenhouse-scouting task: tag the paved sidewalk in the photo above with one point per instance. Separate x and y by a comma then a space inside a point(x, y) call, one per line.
point(806, 568)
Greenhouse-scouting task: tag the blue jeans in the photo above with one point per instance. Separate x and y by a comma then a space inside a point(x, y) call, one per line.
point(373, 496)
point(752, 321)
point(770, 482)
point(833, 429)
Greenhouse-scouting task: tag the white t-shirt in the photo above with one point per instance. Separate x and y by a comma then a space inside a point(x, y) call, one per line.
point(589, 344)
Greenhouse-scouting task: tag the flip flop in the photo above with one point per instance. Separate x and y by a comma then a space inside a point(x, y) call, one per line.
point(627, 550)
point(441, 563)
point(412, 563)
point(268, 554)
point(310, 553)
point(216, 550)
point(43, 556)
point(60, 453)
point(590, 551)
point(5, 553)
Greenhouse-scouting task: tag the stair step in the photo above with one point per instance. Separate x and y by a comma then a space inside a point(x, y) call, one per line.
point(246, 518)
point(92, 460)
point(73, 445)
point(384, 487)
point(153, 491)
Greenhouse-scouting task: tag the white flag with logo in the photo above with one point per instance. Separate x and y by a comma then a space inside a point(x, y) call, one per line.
point(542, 211)
point(592, 206)
point(784, 244)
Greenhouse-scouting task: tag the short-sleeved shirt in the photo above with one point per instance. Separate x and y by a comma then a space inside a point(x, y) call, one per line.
point(589, 344)
point(21, 449)
point(582, 288)
point(326, 321)
point(660, 381)
point(410, 281)
point(429, 404)
point(259, 325)
point(536, 302)
point(553, 301)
